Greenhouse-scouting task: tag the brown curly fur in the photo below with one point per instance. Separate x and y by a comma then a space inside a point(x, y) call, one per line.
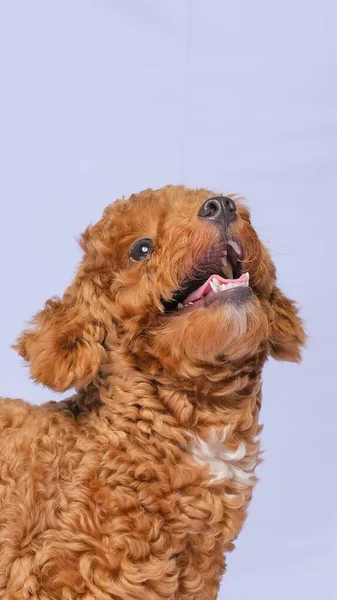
point(100, 497)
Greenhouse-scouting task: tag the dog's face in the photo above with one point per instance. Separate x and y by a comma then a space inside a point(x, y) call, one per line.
point(176, 275)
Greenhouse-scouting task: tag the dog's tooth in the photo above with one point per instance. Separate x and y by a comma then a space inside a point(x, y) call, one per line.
point(245, 279)
point(235, 246)
point(227, 269)
point(214, 285)
point(180, 305)
point(190, 302)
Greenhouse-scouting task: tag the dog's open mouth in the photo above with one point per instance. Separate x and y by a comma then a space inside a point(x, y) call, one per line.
point(218, 279)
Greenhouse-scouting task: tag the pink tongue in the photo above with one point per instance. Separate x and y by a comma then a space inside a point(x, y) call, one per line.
point(206, 287)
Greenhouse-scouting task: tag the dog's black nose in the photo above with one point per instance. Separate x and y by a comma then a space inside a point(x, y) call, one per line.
point(221, 210)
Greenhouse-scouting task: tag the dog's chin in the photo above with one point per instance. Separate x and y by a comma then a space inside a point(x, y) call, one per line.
point(231, 325)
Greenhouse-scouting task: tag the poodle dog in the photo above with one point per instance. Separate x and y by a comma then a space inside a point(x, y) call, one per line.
point(135, 487)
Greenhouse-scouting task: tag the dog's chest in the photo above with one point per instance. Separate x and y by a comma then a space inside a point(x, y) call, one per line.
point(224, 463)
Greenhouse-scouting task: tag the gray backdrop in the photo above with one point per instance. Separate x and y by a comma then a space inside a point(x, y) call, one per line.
point(102, 98)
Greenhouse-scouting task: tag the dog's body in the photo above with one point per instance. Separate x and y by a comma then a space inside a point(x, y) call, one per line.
point(134, 488)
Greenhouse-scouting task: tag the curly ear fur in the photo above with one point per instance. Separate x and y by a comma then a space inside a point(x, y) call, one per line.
point(287, 334)
point(63, 344)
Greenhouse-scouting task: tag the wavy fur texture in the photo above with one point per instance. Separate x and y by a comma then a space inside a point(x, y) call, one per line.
point(136, 486)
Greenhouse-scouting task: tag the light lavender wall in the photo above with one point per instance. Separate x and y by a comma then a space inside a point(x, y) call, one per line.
point(102, 98)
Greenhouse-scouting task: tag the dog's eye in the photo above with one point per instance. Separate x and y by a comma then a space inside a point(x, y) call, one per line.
point(141, 250)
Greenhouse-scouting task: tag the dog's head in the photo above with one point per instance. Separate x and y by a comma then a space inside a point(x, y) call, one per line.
point(176, 276)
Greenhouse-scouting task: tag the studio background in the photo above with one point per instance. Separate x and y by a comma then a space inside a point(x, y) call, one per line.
point(103, 98)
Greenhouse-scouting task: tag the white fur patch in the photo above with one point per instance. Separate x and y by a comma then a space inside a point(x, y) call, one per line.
point(224, 463)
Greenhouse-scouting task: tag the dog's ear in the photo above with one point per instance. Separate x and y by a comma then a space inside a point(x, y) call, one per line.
point(63, 344)
point(287, 335)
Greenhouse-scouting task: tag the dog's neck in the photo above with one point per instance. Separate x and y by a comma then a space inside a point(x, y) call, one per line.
point(219, 395)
